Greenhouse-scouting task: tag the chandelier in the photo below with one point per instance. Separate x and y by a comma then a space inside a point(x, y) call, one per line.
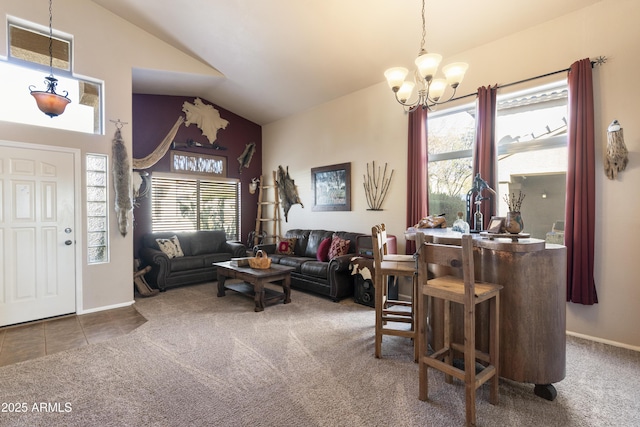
point(430, 90)
point(49, 102)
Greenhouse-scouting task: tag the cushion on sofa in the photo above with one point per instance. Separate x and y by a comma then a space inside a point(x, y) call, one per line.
point(313, 243)
point(208, 242)
point(171, 247)
point(315, 269)
point(323, 250)
point(286, 246)
point(338, 247)
point(187, 263)
point(302, 236)
point(294, 261)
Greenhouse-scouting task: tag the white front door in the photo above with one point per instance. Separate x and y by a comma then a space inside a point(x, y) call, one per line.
point(37, 235)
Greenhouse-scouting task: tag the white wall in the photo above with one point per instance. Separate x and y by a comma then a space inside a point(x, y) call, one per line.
point(106, 48)
point(368, 125)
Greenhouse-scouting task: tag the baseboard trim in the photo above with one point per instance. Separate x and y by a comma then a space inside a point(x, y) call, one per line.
point(106, 307)
point(603, 341)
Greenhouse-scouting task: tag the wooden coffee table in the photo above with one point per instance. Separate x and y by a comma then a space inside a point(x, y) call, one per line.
point(254, 282)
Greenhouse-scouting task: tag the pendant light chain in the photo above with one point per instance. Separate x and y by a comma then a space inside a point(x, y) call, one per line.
point(50, 37)
point(49, 102)
point(424, 30)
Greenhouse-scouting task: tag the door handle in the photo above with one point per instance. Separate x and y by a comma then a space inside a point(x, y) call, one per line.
point(68, 242)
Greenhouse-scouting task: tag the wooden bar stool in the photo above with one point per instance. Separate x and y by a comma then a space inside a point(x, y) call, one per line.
point(392, 311)
point(464, 290)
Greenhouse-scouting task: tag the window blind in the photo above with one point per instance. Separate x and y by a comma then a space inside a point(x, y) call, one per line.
point(189, 204)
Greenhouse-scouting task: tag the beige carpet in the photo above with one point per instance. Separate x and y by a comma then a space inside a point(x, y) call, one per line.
point(207, 361)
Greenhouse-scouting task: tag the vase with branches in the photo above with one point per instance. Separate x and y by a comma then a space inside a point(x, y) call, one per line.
point(513, 221)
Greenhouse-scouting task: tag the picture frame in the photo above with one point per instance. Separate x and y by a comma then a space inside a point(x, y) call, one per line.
point(331, 187)
point(496, 225)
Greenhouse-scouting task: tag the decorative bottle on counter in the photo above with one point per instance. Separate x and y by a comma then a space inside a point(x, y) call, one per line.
point(460, 225)
point(477, 220)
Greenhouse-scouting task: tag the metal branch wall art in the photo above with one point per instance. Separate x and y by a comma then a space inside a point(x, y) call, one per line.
point(376, 186)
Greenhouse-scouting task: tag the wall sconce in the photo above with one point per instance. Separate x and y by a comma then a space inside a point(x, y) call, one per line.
point(544, 194)
point(49, 102)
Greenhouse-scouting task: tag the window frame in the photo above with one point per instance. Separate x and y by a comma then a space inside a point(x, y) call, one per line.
point(197, 179)
point(104, 201)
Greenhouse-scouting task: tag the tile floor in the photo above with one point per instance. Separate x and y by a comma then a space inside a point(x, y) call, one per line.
point(31, 340)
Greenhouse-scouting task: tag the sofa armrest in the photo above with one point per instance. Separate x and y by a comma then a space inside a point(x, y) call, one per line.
point(236, 249)
point(268, 248)
point(340, 279)
point(341, 263)
point(160, 266)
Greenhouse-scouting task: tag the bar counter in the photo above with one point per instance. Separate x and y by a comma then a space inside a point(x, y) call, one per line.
point(532, 305)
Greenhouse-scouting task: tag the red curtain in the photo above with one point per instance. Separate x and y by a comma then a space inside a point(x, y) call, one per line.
point(417, 184)
point(485, 155)
point(580, 203)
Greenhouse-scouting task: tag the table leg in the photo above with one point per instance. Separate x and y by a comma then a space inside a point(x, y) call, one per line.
point(286, 287)
point(221, 280)
point(258, 289)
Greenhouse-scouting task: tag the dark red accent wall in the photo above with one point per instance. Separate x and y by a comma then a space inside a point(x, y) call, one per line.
point(153, 118)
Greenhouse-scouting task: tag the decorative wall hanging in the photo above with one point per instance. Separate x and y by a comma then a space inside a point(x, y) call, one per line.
point(376, 186)
point(617, 155)
point(246, 156)
point(205, 117)
point(182, 161)
point(141, 184)
point(121, 180)
point(331, 186)
point(288, 191)
point(253, 185)
point(161, 150)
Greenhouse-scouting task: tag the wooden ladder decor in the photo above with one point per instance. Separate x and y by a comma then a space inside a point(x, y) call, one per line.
point(261, 219)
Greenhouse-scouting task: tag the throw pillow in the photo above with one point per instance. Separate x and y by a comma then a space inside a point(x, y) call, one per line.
point(338, 247)
point(171, 247)
point(286, 246)
point(323, 250)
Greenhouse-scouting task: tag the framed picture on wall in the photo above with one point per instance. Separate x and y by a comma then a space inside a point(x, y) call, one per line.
point(331, 186)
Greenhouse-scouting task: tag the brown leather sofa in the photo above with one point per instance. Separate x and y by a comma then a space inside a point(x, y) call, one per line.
point(200, 248)
point(328, 278)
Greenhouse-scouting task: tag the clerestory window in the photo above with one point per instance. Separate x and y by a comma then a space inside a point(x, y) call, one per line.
point(27, 65)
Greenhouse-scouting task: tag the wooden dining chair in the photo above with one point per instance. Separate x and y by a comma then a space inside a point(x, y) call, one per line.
point(460, 288)
point(392, 312)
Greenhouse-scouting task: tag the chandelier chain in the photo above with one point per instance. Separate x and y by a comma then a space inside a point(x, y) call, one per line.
point(424, 29)
point(50, 37)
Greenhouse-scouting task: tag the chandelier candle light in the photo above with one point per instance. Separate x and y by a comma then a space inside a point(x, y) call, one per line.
point(430, 90)
point(49, 102)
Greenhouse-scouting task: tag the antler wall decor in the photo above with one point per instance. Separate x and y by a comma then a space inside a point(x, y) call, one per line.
point(376, 186)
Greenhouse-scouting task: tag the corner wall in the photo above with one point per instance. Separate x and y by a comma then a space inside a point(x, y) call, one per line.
point(153, 118)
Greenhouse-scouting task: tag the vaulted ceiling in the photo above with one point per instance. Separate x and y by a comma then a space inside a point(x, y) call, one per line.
point(280, 57)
